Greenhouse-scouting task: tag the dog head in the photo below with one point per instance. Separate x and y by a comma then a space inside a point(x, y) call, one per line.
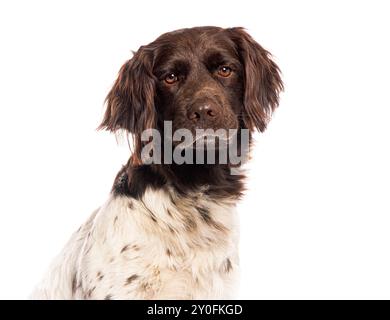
point(198, 78)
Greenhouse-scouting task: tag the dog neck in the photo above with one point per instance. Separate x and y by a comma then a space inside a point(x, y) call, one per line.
point(214, 180)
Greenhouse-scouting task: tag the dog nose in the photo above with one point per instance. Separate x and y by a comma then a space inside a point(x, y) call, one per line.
point(202, 112)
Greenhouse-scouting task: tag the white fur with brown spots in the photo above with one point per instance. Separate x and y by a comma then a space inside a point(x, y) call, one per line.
point(160, 246)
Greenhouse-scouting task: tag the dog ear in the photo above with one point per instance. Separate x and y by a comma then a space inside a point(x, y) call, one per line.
point(262, 81)
point(130, 102)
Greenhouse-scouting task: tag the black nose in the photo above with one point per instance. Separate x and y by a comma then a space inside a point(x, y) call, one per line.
point(202, 111)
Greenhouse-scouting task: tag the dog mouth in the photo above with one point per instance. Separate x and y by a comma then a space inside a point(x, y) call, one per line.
point(221, 146)
point(206, 140)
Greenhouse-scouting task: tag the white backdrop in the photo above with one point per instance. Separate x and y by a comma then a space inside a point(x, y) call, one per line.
point(316, 218)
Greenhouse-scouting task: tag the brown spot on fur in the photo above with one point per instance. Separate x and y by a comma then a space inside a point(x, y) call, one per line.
point(218, 226)
point(115, 219)
point(145, 286)
point(74, 283)
point(209, 241)
point(89, 292)
point(131, 279)
point(169, 252)
point(227, 266)
point(153, 217)
point(108, 297)
point(135, 247)
point(99, 276)
point(169, 213)
point(172, 200)
point(131, 205)
point(190, 223)
point(132, 247)
point(204, 213)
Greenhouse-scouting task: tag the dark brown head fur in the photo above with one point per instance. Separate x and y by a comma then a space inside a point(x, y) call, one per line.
point(204, 77)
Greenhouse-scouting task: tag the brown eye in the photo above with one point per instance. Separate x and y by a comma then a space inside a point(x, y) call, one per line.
point(171, 78)
point(224, 71)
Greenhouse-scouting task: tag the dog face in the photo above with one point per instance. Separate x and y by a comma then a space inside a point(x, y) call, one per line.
point(198, 78)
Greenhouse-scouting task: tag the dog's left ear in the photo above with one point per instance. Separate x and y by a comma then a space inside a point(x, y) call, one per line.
point(262, 81)
point(130, 102)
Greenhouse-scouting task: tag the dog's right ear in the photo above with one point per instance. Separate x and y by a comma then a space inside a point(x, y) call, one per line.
point(262, 80)
point(130, 102)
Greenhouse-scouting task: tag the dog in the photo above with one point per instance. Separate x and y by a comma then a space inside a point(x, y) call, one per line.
point(169, 230)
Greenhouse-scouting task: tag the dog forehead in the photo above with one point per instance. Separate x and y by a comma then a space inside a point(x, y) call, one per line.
point(193, 39)
point(190, 34)
point(191, 45)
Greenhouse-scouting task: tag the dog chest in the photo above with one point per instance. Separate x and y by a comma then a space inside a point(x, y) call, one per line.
point(160, 247)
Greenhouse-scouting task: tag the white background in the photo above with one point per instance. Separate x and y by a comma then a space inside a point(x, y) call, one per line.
point(316, 218)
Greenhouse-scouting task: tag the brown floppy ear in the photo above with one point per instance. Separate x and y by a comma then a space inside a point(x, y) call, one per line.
point(130, 103)
point(262, 81)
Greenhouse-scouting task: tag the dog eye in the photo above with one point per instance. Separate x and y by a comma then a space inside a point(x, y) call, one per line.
point(224, 71)
point(171, 78)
